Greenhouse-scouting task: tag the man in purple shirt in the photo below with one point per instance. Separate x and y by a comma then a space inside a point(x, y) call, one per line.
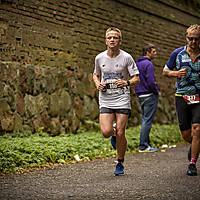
point(147, 92)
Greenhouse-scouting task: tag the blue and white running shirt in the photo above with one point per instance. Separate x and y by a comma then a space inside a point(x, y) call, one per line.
point(189, 85)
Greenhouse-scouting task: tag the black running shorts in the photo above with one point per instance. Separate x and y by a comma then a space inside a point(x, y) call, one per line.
point(119, 111)
point(187, 114)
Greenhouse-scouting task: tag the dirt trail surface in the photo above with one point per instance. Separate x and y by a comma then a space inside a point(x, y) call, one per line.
point(158, 175)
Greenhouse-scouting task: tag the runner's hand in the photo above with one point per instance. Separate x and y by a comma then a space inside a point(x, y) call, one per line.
point(120, 82)
point(182, 73)
point(100, 86)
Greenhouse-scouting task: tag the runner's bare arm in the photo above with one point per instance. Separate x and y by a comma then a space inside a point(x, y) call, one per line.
point(170, 73)
point(96, 79)
point(135, 80)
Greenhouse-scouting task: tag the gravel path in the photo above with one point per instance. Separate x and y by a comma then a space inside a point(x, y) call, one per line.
point(158, 175)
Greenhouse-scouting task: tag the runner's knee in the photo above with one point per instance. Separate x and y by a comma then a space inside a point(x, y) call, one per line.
point(107, 132)
point(187, 135)
point(196, 130)
point(121, 132)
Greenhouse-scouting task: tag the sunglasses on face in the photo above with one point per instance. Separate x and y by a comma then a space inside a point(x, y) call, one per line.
point(193, 38)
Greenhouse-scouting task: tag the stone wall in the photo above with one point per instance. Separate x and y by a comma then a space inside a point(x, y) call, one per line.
point(47, 51)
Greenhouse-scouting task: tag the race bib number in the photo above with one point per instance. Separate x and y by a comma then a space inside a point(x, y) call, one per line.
point(112, 87)
point(191, 99)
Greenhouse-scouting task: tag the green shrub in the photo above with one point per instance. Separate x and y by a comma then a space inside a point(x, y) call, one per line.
point(19, 152)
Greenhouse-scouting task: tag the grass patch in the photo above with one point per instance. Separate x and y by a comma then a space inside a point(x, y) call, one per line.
point(20, 152)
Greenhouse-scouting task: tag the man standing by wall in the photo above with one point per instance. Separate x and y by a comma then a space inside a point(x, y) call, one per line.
point(186, 61)
point(147, 92)
point(111, 77)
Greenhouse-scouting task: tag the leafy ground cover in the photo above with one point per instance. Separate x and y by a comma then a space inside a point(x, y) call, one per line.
point(20, 152)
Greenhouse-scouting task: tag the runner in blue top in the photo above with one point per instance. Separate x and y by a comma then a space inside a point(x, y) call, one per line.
point(186, 62)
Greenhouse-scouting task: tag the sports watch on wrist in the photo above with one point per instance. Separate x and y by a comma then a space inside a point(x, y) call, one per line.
point(128, 82)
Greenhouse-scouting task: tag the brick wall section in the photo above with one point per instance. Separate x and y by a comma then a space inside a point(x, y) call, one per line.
point(68, 34)
point(77, 27)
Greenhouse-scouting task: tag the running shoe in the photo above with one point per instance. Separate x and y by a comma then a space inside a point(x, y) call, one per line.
point(189, 154)
point(192, 170)
point(119, 169)
point(113, 138)
point(149, 149)
point(114, 126)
